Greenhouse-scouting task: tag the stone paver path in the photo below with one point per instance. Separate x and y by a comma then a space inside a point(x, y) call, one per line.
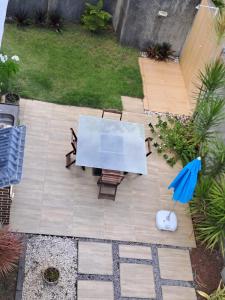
point(117, 270)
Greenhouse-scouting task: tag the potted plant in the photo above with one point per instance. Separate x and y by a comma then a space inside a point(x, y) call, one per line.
point(9, 67)
point(50, 275)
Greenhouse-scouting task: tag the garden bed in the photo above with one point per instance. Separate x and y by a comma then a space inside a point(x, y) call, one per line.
point(206, 266)
point(74, 67)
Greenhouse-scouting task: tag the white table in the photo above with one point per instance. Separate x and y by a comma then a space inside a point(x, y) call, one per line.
point(111, 144)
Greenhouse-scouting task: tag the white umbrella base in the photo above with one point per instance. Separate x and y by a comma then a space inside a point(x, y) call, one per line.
point(166, 220)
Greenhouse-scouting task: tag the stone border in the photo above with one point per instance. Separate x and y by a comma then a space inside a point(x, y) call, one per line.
point(116, 260)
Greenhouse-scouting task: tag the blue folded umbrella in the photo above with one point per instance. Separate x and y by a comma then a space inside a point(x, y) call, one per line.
point(185, 182)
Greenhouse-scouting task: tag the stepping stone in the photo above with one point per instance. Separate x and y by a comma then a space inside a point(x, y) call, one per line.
point(137, 281)
point(95, 258)
point(178, 293)
point(175, 264)
point(95, 290)
point(137, 252)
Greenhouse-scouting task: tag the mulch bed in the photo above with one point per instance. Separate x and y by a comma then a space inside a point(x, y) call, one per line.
point(8, 286)
point(207, 267)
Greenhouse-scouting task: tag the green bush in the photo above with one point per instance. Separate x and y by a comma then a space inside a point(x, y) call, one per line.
point(95, 18)
point(9, 67)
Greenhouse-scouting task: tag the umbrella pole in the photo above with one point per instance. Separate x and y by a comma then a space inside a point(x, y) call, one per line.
point(174, 205)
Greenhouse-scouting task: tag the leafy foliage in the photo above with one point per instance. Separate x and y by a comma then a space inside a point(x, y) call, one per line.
point(10, 250)
point(160, 52)
point(212, 79)
point(8, 69)
point(95, 18)
point(218, 294)
point(215, 159)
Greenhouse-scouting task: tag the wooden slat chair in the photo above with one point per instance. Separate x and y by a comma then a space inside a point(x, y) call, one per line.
point(112, 111)
point(72, 153)
point(109, 179)
point(148, 145)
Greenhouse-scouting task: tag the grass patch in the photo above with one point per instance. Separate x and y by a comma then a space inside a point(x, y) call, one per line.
point(75, 68)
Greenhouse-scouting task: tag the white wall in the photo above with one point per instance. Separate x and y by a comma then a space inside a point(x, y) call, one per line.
point(3, 8)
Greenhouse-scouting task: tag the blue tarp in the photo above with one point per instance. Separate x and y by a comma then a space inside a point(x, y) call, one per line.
point(12, 142)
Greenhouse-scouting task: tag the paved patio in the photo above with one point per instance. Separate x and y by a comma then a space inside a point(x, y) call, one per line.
point(54, 200)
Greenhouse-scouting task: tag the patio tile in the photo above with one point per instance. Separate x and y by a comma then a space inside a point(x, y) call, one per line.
point(95, 258)
point(138, 252)
point(137, 281)
point(95, 290)
point(178, 293)
point(175, 264)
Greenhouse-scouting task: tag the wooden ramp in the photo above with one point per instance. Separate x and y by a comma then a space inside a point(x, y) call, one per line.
point(164, 87)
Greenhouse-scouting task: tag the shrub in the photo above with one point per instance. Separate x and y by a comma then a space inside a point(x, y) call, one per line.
point(95, 18)
point(40, 17)
point(9, 67)
point(10, 250)
point(160, 52)
point(21, 17)
point(55, 20)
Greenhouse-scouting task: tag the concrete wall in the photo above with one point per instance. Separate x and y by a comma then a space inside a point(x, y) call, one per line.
point(137, 21)
point(71, 10)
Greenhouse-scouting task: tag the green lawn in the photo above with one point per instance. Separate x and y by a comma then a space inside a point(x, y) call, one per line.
point(76, 67)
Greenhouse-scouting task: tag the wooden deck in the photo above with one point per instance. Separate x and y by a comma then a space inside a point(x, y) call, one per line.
point(54, 200)
point(164, 87)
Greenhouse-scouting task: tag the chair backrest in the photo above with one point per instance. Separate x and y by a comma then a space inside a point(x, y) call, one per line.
point(73, 137)
point(112, 111)
point(74, 145)
point(148, 144)
point(111, 177)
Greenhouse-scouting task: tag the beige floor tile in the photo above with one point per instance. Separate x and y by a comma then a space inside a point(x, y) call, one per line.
point(175, 264)
point(178, 293)
point(95, 258)
point(51, 187)
point(138, 252)
point(95, 290)
point(137, 281)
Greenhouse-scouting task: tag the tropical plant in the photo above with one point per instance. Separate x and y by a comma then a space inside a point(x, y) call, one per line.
point(9, 67)
point(95, 18)
point(220, 25)
point(22, 17)
point(10, 250)
point(210, 228)
point(40, 17)
point(212, 79)
point(215, 159)
point(219, 3)
point(55, 20)
point(209, 114)
point(159, 51)
point(218, 294)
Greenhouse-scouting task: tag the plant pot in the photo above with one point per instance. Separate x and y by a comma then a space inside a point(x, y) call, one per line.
point(11, 98)
point(50, 275)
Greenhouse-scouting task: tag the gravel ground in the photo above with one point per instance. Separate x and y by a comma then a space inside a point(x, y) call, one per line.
point(47, 251)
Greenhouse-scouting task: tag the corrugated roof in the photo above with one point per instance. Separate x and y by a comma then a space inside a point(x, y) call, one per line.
point(12, 142)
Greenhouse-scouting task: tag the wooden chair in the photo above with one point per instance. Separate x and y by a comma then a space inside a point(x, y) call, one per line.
point(112, 111)
point(109, 179)
point(148, 144)
point(69, 160)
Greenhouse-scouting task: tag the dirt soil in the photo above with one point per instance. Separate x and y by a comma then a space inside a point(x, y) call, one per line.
point(207, 267)
point(8, 286)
